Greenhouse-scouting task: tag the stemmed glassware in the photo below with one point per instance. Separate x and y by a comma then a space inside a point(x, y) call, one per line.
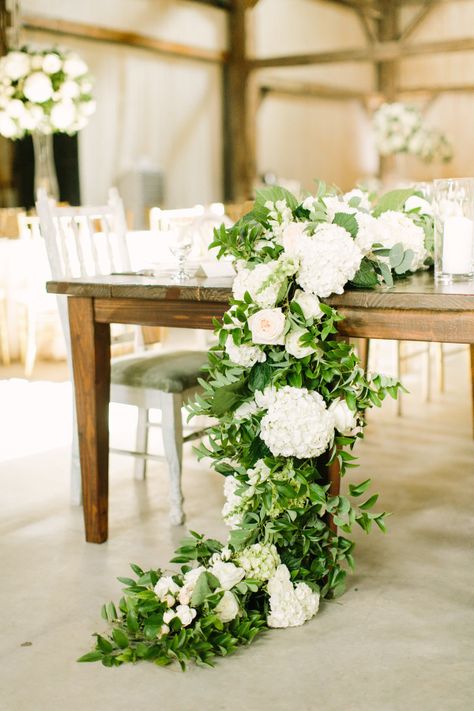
point(181, 244)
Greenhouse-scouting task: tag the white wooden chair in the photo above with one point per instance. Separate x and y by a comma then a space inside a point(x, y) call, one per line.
point(86, 241)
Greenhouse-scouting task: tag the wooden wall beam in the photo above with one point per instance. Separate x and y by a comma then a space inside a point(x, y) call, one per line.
point(379, 52)
point(220, 4)
point(239, 112)
point(417, 20)
point(131, 39)
point(317, 91)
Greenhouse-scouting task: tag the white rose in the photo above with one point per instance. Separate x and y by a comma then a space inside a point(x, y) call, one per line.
point(15, 108)
point(267, 326)
point(74, 66)
point(293, 345)
point(186, 614)
point(227, 574)
point(8, 127)
point(52, 63)
point(414, 202)
point(16, 65)
point(63, 115)
point(166, 590)
point(309, 304)
point(345, 420)
point(227, 608)
point(190, 580)
point(38, 88)
point(69, 90)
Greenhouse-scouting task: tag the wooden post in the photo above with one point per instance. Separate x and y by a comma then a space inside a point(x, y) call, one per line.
point(239, 125)
point(387, 71)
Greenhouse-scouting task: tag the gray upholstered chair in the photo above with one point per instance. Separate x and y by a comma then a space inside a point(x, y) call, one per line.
point(86, 241)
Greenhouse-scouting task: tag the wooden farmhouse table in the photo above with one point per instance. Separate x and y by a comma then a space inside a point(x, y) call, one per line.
point(415, 309)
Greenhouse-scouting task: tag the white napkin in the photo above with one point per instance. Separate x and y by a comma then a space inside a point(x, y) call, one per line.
point(214, 268)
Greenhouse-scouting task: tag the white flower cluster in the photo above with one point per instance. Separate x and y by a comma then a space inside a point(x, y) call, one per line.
point(259, 561)
point(400, 128)
point(279, 217)
point(264, 282)
point(290, 606)
point(45, 91)
point(228, 575)
point(297, 423)
point(244, 354)
point(397, 227)
point(328, 259)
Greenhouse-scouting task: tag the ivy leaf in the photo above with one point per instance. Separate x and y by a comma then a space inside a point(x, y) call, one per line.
point(393, 200)
point(349, 222)
point(91, 657)
point(358, 489)
point(120, 638)
point(369, 503)
point(260, 376)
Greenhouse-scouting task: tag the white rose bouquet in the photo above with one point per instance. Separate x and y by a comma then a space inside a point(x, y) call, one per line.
point(400, 128)
point(44, 91)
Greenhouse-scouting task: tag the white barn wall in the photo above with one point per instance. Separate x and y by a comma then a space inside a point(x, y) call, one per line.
point(149, 107)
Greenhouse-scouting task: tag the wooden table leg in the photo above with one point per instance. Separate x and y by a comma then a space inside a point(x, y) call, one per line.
point(90, 346)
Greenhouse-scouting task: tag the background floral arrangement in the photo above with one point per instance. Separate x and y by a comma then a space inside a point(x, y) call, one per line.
point(44, 91)
point(289, 400)
point(400, 128)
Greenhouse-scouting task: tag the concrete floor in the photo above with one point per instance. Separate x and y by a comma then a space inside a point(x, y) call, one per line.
point(401, 638)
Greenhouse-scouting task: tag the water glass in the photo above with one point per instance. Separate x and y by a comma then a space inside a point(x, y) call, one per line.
point(453, 207)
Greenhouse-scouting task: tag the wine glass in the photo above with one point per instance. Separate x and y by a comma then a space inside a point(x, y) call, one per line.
point(181, 245)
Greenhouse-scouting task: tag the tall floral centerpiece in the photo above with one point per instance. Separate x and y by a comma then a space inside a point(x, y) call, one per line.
point(289, 400)
point(401, 128)
point(44, 91)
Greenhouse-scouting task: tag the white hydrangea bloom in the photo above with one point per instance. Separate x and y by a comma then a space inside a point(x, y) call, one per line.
point(230, 511)
point(15, 65)
point(329, 259)
point(290, 606)
point(245, 355)
point(398, 227)
point(291, 238)
point(297, 424)
point(293, 343)
point(259, 561)
point(415, 202)
point(370, 232)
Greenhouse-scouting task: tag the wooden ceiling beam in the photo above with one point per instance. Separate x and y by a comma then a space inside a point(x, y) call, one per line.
point(132, 39)
point(219, 4)
point(379, 52)
point(417, 20)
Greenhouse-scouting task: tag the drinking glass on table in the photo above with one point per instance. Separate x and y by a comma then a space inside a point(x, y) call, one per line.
point(181, 244)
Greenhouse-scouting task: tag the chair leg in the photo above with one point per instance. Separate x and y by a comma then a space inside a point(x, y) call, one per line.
point(428, 374)
point(441, 371)
point(141, 444)
point(4, 341)
point(172, 428)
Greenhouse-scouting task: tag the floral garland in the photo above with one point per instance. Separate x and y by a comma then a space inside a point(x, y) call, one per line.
point(290, 400)
point(400, 128)
point(44, 91)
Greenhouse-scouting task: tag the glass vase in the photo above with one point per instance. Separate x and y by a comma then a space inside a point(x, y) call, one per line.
point(45, 170)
